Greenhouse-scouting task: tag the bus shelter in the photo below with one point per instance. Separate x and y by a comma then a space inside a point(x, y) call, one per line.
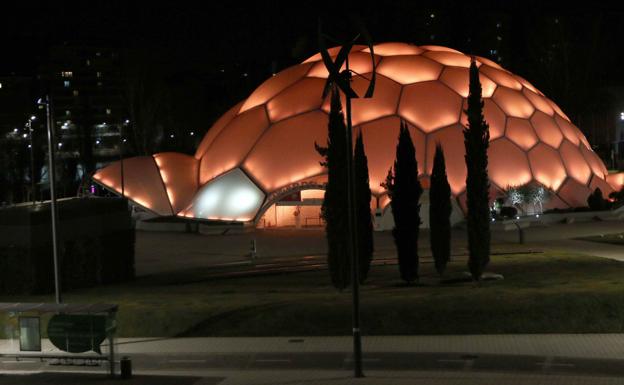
point(66, 332)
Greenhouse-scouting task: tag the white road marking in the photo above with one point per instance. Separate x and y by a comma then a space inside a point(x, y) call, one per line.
point(187, 361)
point(273, 360)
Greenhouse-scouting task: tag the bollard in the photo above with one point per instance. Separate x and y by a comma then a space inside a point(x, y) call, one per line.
point(520, 233)
point(254, 251)
point(125, 366)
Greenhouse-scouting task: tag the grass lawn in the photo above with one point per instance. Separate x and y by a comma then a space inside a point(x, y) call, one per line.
point(541, 293)
point(614, 239)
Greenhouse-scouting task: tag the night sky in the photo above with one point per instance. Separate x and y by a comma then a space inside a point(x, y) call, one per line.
point(249, 42)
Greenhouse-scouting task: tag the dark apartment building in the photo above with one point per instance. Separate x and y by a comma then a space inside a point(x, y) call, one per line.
point(86, 89)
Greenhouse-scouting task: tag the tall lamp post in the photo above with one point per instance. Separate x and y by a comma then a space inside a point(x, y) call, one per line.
point(342, 79)
point(122, 140)
point(33, 185)
point(51, 174)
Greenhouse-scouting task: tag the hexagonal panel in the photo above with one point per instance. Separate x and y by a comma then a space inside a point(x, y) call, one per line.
point(546, 129)
point(142, 183)
point(380, 141)
point(230, 147)
point(574, 162)
point(616, 180)
point(597, 182)
point(216, 129)
point(179, 175)
point(547, 166)
point(393, 49)
point(285, 153)
point(508, 164)
point(439, 48)
point(594, 162)
point(582, 138)
point(538, 102)
point(333, 51)
point(554, 202)
point(449, 58)
point(574, 193)
point(359, 62)
point(430, 105)
point(383, 103)
point(305, 95)
point(458, 79)
point(488, 62)
point(274, 85)
point(526, 84)
point(452, 140)
point(569, 131)
point(501, 77)
point(513, 102)
point(232, 196)
point(409, 69)
point(557, 109)
point(521, 132)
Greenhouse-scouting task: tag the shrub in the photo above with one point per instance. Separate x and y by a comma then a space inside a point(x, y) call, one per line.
point(596, 202)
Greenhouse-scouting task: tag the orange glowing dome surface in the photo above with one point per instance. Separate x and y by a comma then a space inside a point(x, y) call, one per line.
point(265, 144)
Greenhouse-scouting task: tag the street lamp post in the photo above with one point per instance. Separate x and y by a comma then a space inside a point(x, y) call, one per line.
point(33, 186)
point(51, 174)
point(342, 80)
point(121, 155)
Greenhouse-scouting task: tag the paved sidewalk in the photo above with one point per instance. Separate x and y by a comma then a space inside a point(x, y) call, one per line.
point(606, 346)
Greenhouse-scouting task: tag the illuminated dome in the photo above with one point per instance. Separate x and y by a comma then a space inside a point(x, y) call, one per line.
point(262, 149)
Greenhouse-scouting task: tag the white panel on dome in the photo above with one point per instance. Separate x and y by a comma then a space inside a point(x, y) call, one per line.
point(231, 196)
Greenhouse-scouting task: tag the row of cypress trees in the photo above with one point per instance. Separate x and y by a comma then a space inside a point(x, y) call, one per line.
point(405, 190)
point(335, 206)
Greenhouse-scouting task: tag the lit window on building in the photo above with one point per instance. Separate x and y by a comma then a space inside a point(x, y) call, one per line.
point(67, 112)
point(88, 62)
point(98, 74)
point(66, 83)
point(108, 111)
point(67, 74)
point(499, 38)
point(75, 92)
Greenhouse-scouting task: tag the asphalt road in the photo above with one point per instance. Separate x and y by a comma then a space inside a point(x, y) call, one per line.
point(437, 362)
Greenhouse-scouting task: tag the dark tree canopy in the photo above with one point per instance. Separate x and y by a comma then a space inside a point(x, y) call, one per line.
point(335, 208)
point(476, 140)
point(440, 212)
point(364, 223)
point(404, 191)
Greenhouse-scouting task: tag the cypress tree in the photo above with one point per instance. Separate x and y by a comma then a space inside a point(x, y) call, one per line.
point(476, 140)
point(334, 209)
point(362, 194)
point(440, 212)
point(404, 191)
